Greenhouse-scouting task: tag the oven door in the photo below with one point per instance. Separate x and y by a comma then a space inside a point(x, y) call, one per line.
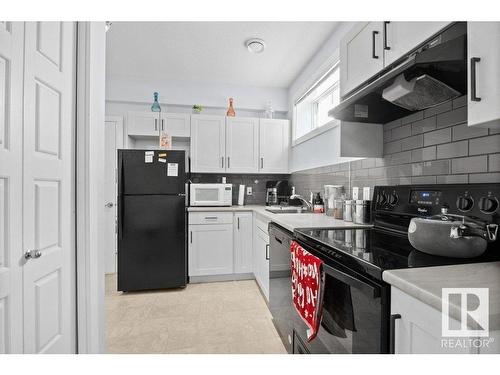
point(353, 317)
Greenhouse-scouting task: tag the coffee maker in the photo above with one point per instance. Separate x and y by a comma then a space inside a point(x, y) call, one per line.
point(277, 192)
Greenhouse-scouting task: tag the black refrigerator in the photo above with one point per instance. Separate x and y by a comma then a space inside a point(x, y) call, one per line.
point(151, 220)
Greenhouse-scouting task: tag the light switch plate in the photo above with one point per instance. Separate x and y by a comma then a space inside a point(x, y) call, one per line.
point(249, 190)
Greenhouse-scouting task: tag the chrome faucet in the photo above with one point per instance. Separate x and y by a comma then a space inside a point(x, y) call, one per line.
point(303, 200)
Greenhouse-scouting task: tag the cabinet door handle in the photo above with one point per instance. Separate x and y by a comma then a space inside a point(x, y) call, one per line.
point(386, 46)
point(473, 93)
point(162, 124)
point(238, 223)
point(262, 163)
point(228, 162)
point(191, 237)
point(267, 251)
point(156, 124)
point(222, 161)
point(374, 35)
point(392, 328)
point(211, 217)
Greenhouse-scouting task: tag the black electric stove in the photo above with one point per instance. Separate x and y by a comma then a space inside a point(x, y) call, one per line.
point(356, 308)
point(386, 245)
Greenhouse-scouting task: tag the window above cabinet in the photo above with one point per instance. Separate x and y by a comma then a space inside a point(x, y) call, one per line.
point(311, 109)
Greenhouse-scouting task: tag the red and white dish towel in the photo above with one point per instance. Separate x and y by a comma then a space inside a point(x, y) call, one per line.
point(307, 287)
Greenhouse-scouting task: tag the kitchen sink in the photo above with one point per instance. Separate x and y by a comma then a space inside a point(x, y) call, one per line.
point(287, 210)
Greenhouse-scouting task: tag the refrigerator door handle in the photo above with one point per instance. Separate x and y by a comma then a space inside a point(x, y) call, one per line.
point(120, 227)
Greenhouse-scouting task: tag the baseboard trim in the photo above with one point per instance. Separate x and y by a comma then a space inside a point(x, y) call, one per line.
point(215, 278)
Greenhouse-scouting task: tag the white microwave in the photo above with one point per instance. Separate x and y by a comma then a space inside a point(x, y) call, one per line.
point(210, 194)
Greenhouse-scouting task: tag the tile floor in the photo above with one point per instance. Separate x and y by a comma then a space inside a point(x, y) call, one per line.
point(224, 317)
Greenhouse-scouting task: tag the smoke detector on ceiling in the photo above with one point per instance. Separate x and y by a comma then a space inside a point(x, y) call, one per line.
point(255, 45)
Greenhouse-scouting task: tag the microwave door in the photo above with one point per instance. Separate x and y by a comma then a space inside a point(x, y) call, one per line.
point(206, 196)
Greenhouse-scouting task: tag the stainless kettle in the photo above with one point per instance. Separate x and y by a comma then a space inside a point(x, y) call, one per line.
point(450, 235)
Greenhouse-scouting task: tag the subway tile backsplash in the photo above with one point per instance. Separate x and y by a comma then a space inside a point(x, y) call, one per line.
point(427, 147)
point(257, 182)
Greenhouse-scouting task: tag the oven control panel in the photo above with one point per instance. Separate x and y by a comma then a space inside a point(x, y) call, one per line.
point(478, 200)
point(426, 197)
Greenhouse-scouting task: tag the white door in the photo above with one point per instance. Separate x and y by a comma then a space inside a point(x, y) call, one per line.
point(208, 143)
point(242, 145)
point(210, 249)
point(361, 55)
point(143, 124)
point(274, 145)
point(176, 124)
point(243, 242)
point(11, 200)
point(402, 37)
point(483, 50)
point(113, 141)
point(48, 194)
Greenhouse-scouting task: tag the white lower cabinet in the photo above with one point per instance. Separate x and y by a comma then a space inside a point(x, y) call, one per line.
point(210, 249)
point(220, 243)
point(417, 330)
point(243, 240)
point(261, 256)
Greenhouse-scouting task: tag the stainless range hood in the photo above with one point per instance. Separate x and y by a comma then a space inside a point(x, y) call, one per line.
point(434, 73)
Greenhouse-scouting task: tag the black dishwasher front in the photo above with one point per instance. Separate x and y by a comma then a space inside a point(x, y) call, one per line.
point(280, 287)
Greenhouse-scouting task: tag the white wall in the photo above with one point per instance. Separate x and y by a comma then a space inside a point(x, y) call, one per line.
point(183, 93)
point(90, 177)
point(322, 149)
point(124, 94)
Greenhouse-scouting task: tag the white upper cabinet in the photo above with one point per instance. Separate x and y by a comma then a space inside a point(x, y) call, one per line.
point(372, 46)
point(361, 55)
point(143, 124)
point(242, 145)
point(483, 50)
point(176, 124)
point(401, 37)
point(239, 145)
point(274, 145)
point(208, 143)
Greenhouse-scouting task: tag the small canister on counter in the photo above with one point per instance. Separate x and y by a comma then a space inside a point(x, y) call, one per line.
point(362, 212)
point(338, 206)
point(348, 209)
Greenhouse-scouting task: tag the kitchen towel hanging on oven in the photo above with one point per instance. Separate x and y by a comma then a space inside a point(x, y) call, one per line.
point(307, 287)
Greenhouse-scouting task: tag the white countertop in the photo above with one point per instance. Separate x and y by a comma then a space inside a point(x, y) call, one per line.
point(425, 284)
point(288, 221)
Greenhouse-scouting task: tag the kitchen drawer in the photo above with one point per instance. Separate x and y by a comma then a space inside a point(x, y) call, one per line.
point(210, 218)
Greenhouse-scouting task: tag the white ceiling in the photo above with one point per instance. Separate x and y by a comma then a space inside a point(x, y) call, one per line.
point(214, 51)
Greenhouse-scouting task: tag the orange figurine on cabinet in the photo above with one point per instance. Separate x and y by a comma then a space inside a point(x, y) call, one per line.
point(230, 110)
